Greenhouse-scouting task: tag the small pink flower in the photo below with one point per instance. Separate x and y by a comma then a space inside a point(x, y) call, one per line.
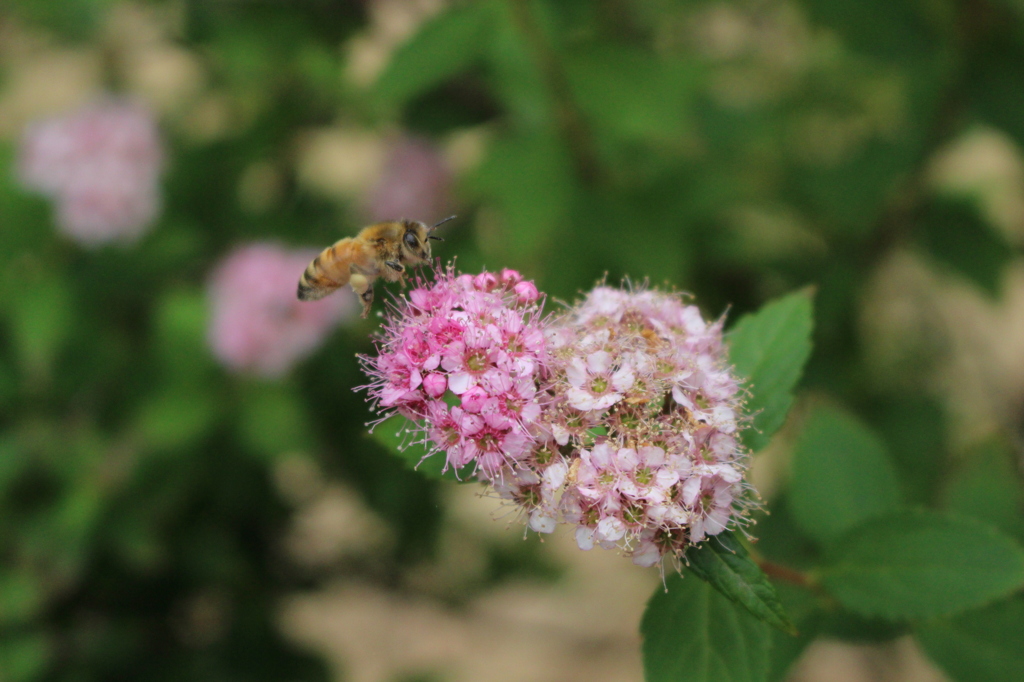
point(473, 399)
point(256, 323)
point(596, 384)
point(511, 279)
point(435, 384)
point(526, 292)
point(485, 281)
point(101, 165)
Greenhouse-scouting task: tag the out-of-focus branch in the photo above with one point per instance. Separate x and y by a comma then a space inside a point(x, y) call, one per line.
point(787, 574)
point(570, 120)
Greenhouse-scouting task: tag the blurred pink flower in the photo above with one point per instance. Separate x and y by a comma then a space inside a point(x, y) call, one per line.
point(256, 323)
point(101, 165)
point(415, 183)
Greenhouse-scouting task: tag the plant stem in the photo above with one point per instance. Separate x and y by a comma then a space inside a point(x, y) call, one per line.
point(787, 574)
point(570, 120)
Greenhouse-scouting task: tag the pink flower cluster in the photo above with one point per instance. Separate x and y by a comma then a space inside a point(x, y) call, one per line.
point(618, 416)
point(101, 165)
point(644, 399)
point(474, 342)
point(256, 323)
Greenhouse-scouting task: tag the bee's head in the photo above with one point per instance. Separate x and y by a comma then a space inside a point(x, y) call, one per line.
point(416, 240)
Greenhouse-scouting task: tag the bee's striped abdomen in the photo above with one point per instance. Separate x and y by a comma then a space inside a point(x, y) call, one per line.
point(326, 273)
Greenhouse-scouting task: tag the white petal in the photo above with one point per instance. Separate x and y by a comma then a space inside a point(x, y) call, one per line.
point(605, 401)
point(623, 379)
point(697, 530)
point(665, 478)
point(610, 529)
point(554, 475)
point(646, 554)
point(627, 488)
point(576, 372)
point(585, 538)
point(728, 473)
point(598, 362)
point(716, 521)
point(495, 381)
point(460, 382)
point(602, 455)
point(626, 459)
point(681, 398)
point(560, 433)
point(652, 456)
point(580, 399)
point(541, 523)
point(724, 418)
point(691, 489)
point(656, 513)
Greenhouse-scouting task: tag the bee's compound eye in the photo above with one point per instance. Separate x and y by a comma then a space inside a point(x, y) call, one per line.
point(410, 240)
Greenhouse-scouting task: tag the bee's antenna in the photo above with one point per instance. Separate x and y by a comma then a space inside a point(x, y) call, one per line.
point(438, 224)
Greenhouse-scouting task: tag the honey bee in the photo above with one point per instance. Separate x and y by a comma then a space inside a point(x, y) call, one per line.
point(380, 250)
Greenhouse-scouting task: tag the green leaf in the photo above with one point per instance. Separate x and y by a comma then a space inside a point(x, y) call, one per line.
point(273, 419)
point(953, 233)
point(725, 564)
point(922, 564)
point(787, 649)
point(632, 94)
point(769, 349)
point(841, 475)
point(914, 429)
point(392, 435)
point(21, 597)
point(986, 645)
point(179, 334)
point(13, 462)
point(530, 179)
point(42, 316)
point(691, 633)
point(177, 415)
point(889, 30)
point(987, 486)
point(445, 46)
point(993, 82)
point(23, 657)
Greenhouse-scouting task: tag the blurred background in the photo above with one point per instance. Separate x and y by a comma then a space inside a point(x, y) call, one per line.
point(187, 490)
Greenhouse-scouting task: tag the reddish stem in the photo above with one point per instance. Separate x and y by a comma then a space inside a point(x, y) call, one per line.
point(787, 574)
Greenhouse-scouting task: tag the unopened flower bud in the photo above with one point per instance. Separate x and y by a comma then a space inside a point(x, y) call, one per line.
point(526, 292)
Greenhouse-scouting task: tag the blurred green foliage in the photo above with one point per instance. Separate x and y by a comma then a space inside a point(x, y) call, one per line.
point(623, 138)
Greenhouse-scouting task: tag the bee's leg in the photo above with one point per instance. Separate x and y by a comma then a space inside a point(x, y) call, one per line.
point(399, 269)
point(363, 288)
